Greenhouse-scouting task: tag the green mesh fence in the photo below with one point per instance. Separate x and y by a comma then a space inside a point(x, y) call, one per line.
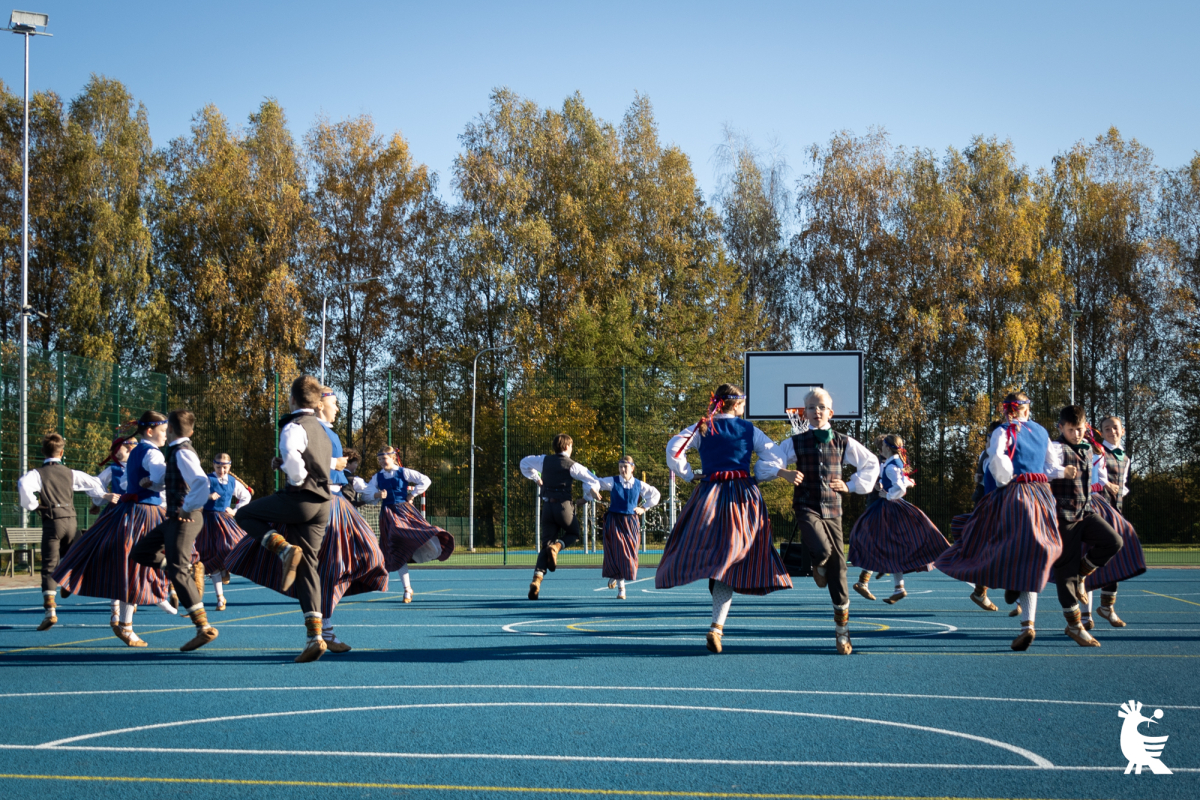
point(426, 414)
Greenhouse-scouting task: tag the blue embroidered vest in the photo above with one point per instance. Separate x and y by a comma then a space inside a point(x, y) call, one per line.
point(727, 446)
point(224, 490)
point(622, 500)
point(397, 489)
point(134, 472)
point(336, 476)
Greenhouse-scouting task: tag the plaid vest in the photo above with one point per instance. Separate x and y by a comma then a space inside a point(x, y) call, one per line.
point(1118, 473)
point(173, 481)
point(820, 462)
point(1073, 495)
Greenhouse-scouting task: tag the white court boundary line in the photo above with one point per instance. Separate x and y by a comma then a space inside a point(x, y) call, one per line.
point(1028, 754)
point(593, 635)
point(627, 583)
point(493, 686)
point(594, 759)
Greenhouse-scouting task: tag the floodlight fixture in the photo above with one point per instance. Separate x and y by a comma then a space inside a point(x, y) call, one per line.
point(28, 22)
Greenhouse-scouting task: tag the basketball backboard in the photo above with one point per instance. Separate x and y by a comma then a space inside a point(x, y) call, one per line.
point(777, 381)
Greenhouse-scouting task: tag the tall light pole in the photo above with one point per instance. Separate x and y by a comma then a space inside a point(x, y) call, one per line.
point(1074, 316)
point(25, 23)
point(324, 306)
point(474, 368)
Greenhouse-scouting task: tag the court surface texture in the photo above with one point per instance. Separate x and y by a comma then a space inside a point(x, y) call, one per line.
point(474, 691)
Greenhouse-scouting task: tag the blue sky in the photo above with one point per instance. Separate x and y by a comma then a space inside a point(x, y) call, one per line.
point(1043, 74)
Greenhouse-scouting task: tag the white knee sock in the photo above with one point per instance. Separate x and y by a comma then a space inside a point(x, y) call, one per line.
point(127, 610)
point(166, 606)
point(116, 609)
point(404, 577)
point(1028, 606)
point(899, 578)
point(1087, 612)
point(722, 595)
point(621, 584)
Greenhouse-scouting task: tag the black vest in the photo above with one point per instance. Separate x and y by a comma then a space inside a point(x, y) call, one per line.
point(173, 480)
point(556, 477)
point(58, 491)
point(820, 462)
point(316, 456)
point(1073, 495)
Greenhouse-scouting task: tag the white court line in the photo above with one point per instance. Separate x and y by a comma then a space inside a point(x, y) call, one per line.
point(490, 686)
point(627, 583)
point(1028, 754)
point(601, 759)
point(509, 627)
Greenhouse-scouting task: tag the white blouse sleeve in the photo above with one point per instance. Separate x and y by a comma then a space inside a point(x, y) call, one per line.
point(155, 464)
point(782, 456)
point(679, 464)
point(419, 481)
point(82, 482)
point(650, 495)
point(531, 467)
point(894, 471)
point(105, 478)
point(241, 494)
point(999, 464)
point(866, 467)
point(1128, 473)
point(369, 493)
point(27, 485)
point(606, 484)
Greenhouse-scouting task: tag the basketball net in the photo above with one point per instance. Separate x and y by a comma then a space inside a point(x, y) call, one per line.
point(796, 417)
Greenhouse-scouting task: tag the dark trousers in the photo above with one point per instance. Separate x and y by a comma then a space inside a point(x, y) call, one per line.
point(558, 522)
point(822, 539)
point(169, 546)
point(1102, 541)
point(57, 537)
point(306, 515)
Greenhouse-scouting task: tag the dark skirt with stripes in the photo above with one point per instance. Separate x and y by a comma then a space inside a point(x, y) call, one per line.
point(957, 523)
point(1130, 561)
point(217, 539)
point(622, 537)
point(98, 565)
point(1010, 542)
point(402, 530)
point(349, 561)
point(723, 533)
point(894, 536)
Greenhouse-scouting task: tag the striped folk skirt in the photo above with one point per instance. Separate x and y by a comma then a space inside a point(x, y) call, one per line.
point(98, 564)
point(724, 534)
point(957, 523)
point(349, 561)
point(622, 537)
point(894, 536)
point(1010, 542)
point(217, 539)
point(402, 530)
point(1129, 562)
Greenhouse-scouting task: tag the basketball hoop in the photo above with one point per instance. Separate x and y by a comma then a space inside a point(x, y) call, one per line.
point(796, 417)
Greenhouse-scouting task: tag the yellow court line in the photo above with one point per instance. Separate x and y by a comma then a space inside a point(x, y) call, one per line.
point(457, 788)
point(1169, 597)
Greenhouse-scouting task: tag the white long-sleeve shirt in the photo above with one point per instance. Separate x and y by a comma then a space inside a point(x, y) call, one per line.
point(1128, 469)
point(647, 494)
point(893, 469)
point(293, 440)
point(31, 482)
point(679, 464)
point(417, 482)
point(105, 478)
point(866, 465)
point(155, 464)
point(193, 475)
point(531, 467)
point(241, 495)
point(1055, 468)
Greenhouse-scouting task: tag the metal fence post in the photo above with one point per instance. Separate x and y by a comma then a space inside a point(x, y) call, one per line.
point(275, 429)
point(585, 528)
point(504, 467)
point(624, 412)
point(671, 503)
point(62, 399)
point(423, 514)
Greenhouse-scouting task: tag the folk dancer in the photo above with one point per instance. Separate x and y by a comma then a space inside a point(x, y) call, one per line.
point(723, 533)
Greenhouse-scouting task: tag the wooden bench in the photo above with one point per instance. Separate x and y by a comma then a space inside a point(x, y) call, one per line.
point(30, 537)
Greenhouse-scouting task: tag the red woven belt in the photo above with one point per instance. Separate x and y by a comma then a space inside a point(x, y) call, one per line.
point(1031, 477)
point(728, 475)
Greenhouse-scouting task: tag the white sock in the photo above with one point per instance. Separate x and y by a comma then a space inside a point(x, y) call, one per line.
point(620, 584)
point(166, 606)
point(404, 577)
point(722, 599)
point(116, 608)
point(327, 629)
point(1087, 612)
point(899, 578)
point(841, 628)
point(127, 610)
point(51, 613)
point(1028, 606)
point(216, 580)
